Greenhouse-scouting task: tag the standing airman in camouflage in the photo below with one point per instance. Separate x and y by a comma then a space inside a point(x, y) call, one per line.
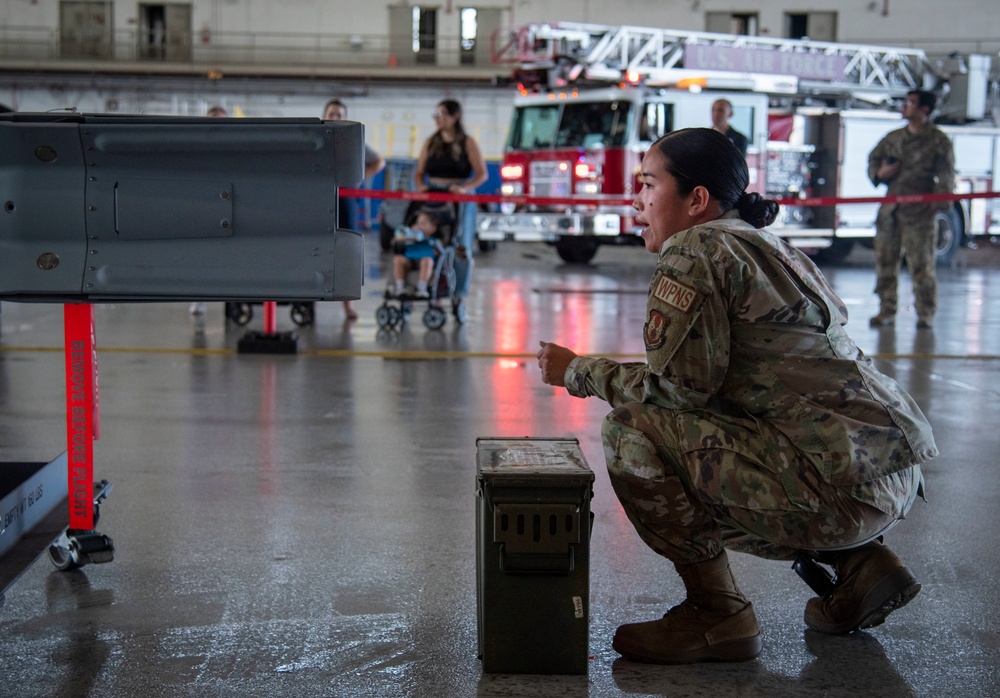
point(916, 159)
point(755, 423)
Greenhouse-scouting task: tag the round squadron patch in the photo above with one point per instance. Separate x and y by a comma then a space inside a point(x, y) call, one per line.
point(654, 332)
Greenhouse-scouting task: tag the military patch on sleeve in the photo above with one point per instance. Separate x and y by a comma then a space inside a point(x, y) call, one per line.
point(654, 332)
point(674, 293)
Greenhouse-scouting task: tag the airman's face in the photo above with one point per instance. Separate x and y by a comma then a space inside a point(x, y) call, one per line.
point(721, 111)
point(661, 211)
point(911, 106)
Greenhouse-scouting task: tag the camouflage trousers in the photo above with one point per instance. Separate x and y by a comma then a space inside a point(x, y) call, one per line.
point(693, 482)
point(915, 237)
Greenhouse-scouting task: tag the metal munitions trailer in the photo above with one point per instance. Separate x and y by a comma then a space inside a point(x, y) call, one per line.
point(533, 526)
point(142, 208)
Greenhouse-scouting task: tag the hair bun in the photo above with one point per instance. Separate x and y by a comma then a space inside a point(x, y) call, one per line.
point(756, 210)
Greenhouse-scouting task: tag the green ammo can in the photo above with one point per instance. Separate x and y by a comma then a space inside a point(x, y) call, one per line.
point(533, 526)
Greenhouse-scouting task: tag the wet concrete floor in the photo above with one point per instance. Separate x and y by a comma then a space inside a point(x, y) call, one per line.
point(304, 525)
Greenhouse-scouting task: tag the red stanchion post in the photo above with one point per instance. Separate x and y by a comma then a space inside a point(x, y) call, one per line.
point(270, 317)
point(81, 412)
point(268, 340)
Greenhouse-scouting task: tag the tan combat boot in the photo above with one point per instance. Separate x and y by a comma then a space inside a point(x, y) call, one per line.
point(871, 584)
point(715, 623)
point(885, 318)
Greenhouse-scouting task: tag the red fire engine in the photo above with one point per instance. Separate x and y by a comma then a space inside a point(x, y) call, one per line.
point(593, 98)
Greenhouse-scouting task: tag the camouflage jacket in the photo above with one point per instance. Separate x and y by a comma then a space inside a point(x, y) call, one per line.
point(737, 318)
point(927, 166)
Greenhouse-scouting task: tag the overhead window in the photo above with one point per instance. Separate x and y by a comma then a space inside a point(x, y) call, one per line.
point(423, 36)
point(165, 31)
point(744, 23)
point(468, 35)
point(818, 26)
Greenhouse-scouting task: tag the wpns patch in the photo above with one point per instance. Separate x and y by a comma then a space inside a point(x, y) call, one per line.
point(654, 332)
point(674, 293)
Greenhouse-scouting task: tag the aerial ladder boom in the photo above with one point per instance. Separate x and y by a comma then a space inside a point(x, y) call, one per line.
point(666, 57)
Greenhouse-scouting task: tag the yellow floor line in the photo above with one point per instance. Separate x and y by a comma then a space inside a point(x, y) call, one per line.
point(424, 354)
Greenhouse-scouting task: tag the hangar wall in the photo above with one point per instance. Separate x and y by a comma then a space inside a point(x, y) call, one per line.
point(260, 58)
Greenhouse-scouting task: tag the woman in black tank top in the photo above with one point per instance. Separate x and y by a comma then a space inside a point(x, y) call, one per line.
point(451, 161)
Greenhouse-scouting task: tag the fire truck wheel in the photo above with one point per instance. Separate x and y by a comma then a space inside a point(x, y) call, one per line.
point(950, 235)
point(574, 249)
point(837, 252)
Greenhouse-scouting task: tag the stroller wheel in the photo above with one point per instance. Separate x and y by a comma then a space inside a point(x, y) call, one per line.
point(396, 316)
point(434, 318)
point(240, 313)
point(383, 316)
point(303, 314)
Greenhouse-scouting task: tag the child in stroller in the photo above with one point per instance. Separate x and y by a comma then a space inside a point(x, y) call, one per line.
point(424, 244)
point(415, 243)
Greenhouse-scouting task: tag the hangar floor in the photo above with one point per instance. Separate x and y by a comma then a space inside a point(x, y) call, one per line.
point(303, 525)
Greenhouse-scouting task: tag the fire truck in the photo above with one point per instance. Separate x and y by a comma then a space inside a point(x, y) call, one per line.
point(593, 98)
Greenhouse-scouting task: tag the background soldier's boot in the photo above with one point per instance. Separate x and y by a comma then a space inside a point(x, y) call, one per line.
point(871, 584)
point(715, 623)
point(885, 318)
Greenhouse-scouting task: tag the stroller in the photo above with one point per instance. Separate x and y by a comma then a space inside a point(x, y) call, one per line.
point(397, 308)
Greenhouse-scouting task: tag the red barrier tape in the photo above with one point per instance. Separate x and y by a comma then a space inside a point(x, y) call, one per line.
point(897, 199)
point(483, 198)
point(620, 201)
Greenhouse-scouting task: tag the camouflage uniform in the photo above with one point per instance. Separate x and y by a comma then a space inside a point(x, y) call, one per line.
point(755, 423)
point(927, 165)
